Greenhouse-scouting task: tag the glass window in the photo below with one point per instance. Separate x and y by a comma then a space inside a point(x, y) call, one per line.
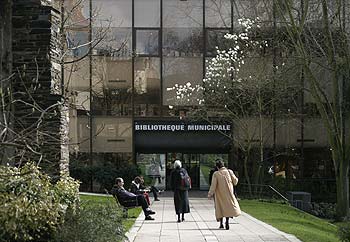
point(112, 28)
point(76, 75)
point(187, 13)
point(207, 163)
point(114, 42)
point(112, 13)
point(180, 42)
point(77, 23)
point(218, 13)
point(77, 43)
point(215, 38)
point(252, 9)
point(112, 86)
point(147, 86)
point(112, 134)
point(183, 32)
point(153, 169)
point(180, 71)
point(147, 13)
point(147, 42)
point(79, 132)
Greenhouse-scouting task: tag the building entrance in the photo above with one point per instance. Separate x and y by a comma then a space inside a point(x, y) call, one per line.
point(156, 168)
point(191, 162)
point(159, 143)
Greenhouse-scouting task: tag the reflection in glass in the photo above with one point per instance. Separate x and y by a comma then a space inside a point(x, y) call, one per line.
point(112, 86)
point(253, 9)
point(112, 13)
point(79, 132)
point(187, 13)
point(180, 42)
point(153, 169)
point(218, 13)
point(77, 43)
point(147, 86)
point(115, 42)
point(76, 75)
point(147, 13)
point(207, 162)
point(215, 38)
point(112, 134)
point(147, 42)
point(76, 27)
point(180, 71)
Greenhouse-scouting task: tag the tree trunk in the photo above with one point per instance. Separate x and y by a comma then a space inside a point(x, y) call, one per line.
point(246, 175)
point(342, 209)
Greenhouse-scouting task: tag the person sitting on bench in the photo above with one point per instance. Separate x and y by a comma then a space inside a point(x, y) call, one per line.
point(152, 189)
point(136, 188)
point(128, 199)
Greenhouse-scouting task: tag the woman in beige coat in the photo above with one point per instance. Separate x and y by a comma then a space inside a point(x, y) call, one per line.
point(226, 204)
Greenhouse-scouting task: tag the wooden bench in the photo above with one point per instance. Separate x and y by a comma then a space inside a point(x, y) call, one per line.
point(125, 208)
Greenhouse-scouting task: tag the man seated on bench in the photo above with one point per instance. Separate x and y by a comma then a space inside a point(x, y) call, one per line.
point(128, 199)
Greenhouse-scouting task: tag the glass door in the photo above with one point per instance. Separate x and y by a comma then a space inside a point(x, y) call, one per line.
point(190, 162)
point(153, 169)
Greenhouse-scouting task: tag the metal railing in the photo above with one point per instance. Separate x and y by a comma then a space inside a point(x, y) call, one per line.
point(259, 191)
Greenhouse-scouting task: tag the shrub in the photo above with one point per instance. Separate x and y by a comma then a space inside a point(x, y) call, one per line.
point(344, 232)
point(94, 222)
point(31, 207)
point(104, 173)
point(323, 210)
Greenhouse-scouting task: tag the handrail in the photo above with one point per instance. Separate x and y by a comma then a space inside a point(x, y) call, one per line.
point(273, 189)
point(269, 186)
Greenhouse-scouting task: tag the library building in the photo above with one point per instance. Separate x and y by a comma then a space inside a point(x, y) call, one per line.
point(123, 108)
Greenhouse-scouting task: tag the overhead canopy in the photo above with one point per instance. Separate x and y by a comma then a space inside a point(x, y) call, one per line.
point(180, 136)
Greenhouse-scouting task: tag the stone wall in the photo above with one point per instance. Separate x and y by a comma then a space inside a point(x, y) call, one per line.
point(5, 38)
point(38, 121)
point(5, 76)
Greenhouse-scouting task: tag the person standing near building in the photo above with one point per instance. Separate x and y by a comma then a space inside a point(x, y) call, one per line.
point(180, 184)
point(226, 204)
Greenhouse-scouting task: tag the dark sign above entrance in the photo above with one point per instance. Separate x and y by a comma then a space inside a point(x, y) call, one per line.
point(182, 127)
point(179, 136)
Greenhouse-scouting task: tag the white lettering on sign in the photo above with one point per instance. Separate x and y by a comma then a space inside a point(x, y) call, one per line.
point(182, 127)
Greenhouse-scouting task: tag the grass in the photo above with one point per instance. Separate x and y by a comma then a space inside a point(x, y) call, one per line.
point(284, 217)
point(132, 213)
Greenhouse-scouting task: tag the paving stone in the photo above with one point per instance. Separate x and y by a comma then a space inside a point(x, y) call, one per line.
point(200, 225)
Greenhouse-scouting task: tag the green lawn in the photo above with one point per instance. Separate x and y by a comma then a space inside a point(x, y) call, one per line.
point(284, 217)
point(132, 213)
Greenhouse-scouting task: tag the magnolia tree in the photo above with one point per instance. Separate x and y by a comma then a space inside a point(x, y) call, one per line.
point(241, 86)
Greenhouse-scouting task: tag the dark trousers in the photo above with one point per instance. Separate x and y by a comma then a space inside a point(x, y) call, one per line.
point(138, 201)
point(142, 202)
point(155, 191)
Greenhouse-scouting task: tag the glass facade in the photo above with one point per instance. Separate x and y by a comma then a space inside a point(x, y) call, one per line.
point(138, 50)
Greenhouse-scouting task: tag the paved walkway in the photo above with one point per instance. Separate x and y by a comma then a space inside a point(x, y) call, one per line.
point(200, 225)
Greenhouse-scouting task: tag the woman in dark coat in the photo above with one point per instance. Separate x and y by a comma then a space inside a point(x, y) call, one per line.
point(181, 202)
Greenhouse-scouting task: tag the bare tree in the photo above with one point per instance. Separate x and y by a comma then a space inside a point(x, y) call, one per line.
point(35, 97)
point(318, 33)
